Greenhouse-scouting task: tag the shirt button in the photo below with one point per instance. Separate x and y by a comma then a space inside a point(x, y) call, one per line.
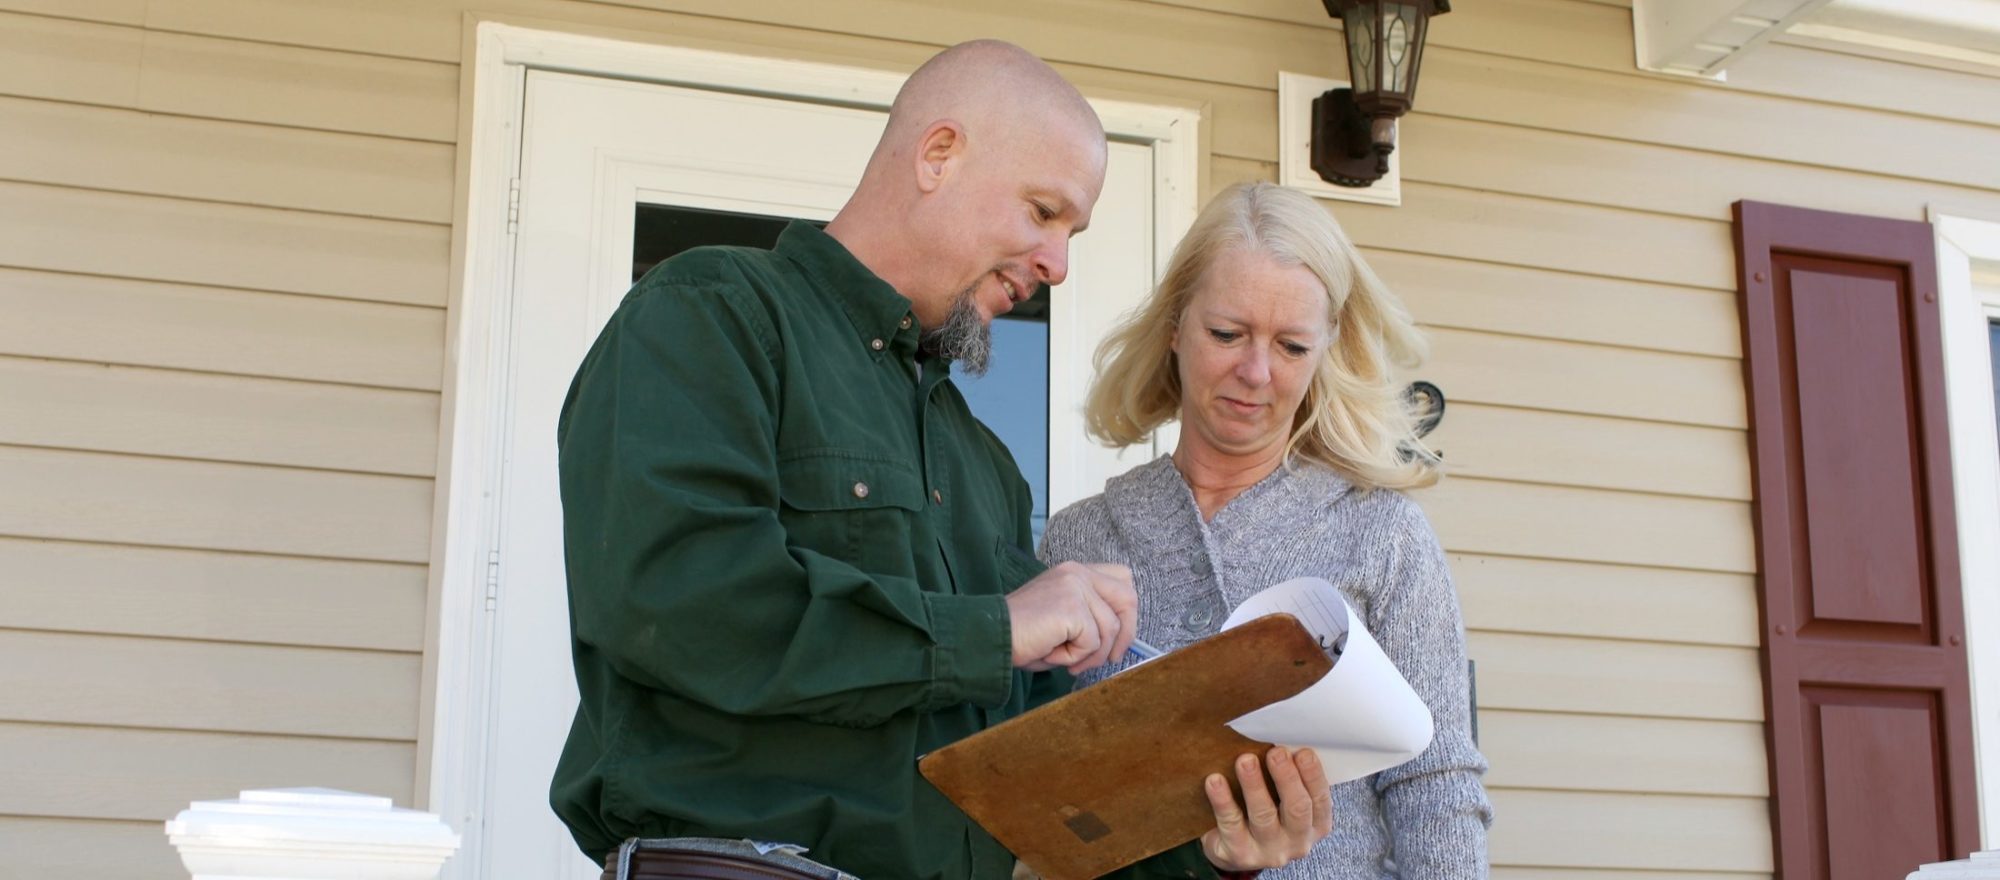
point(875, 344)
point(937, 496)
point(905, 323)
point(860, 490)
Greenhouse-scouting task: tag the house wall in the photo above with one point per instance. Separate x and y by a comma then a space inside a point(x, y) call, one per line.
point(225, 260)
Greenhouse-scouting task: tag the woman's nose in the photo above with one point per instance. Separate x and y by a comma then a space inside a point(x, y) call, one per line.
point(1254, 368)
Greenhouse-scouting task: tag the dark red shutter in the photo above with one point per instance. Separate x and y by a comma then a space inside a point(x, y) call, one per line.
point(1869, 711)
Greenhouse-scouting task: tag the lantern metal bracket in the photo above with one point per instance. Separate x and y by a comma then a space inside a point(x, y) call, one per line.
point(1296, 93)
point(1343, 149)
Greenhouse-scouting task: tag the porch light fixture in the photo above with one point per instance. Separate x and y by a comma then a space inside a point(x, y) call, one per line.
point(1354, 129)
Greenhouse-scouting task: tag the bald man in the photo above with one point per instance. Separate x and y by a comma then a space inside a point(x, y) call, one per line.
point(796, 561)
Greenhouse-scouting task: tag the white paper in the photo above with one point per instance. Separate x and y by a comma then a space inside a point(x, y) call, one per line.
point(1362, 716)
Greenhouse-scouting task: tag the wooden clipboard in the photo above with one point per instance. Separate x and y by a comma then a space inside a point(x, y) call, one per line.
point(1113, 773)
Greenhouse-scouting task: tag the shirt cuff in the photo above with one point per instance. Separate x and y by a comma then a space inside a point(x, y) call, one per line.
point(973, 651)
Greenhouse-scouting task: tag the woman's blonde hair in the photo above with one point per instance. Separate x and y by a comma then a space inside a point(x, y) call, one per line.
point(1354, 418)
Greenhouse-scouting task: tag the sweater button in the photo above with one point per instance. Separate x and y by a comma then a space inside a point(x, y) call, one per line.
point(1201, 568)
point(1198, 617)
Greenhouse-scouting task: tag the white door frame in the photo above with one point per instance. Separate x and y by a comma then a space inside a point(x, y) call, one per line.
point(453, 742)
point(1963, 244)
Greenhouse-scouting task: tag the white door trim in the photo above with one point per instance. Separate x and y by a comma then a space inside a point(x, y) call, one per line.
point(1963, 244)
point(454, 747)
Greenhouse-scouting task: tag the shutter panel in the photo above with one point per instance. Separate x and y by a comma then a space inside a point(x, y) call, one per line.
point(1869, 710)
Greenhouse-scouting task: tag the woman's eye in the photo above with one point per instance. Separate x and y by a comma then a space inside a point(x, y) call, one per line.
point(1296, 350)
point(1223, 335)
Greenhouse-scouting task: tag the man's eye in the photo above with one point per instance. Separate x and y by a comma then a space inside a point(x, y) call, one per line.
point(1042, 211)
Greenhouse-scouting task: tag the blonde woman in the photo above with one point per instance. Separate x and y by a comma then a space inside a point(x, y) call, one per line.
point(1271, 342)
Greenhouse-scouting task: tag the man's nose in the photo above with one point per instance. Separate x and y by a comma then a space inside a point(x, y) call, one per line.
point(1052, 262)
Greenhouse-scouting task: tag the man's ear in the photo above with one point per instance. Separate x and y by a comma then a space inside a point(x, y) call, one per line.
point(938, 153)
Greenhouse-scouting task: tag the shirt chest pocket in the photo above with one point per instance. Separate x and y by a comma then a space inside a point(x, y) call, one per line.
point(850, 505)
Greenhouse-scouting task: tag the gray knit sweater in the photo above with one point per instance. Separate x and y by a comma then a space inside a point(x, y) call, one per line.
point(1424, 820)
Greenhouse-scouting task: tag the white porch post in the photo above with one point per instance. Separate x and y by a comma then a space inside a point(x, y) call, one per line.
point(1981, 866)
point(309, 834)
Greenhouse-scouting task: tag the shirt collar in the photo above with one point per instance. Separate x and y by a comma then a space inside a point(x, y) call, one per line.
point(881, 317)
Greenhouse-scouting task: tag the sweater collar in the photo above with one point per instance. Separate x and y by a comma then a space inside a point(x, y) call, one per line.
point(1154, 505)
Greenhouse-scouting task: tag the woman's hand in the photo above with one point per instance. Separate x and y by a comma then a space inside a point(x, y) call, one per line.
point(1262, 834)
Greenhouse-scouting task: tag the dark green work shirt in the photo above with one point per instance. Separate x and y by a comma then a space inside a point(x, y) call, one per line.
point(788, 546)
point(787, 560)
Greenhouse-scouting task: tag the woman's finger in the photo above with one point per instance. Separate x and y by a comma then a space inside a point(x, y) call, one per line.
point(1228, 818)
point(1295, 802)
point(1259, 812)
point(1313, 774)
point(1228, 837)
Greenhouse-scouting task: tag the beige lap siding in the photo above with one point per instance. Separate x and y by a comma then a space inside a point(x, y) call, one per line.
point(225, 257)
point(220, 370)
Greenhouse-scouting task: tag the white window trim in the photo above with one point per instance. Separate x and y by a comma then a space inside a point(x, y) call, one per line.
point(453, 745)
point(1964, 242)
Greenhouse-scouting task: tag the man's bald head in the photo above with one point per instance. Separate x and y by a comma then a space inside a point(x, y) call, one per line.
point(995, 89)
point(989, 162)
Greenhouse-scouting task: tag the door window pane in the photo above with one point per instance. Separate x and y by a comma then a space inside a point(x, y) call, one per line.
point(661, 231)
point(1012, 398)
point(1993, 346)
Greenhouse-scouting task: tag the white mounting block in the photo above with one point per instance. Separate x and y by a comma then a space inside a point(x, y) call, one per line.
point(1296, 92)
point(309, 834)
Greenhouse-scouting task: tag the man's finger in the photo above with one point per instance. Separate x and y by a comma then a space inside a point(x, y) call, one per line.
point(1084, 641)
point(1108, 633)
point(1113, 584)
point(1111, 570)
point(1128, 627)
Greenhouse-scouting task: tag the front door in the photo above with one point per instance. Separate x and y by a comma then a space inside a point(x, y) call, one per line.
point(616, 175)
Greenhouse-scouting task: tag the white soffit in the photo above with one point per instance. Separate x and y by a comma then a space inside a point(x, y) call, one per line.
point(1700, 37)
point(1958, 32)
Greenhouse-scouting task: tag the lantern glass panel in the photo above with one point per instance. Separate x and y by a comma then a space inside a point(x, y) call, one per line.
point(1399, 32)
point(1360, 21)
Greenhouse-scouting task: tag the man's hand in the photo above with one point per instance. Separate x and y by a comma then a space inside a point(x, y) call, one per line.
point(1075, 615)
point(1262, 834)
